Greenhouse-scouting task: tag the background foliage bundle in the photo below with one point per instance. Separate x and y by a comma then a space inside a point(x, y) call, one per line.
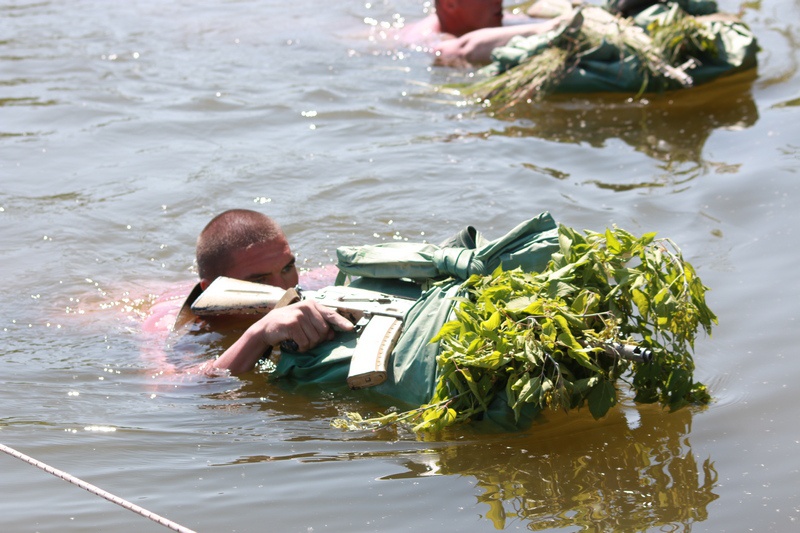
point(662, 48)
point(542, 340)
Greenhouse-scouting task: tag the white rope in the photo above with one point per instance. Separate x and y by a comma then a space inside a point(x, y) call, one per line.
point(97, 491)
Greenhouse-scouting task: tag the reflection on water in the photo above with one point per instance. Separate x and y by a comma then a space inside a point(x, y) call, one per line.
point(789, 103)
point(671, 128)
point(602, 480)
point(632, 471)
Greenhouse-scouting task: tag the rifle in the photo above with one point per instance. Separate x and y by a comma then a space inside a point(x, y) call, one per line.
point(378, 317)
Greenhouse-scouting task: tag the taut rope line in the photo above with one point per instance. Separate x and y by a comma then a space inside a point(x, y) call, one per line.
point(97, 491)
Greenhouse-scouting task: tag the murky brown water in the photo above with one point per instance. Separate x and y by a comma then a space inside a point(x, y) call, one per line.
point(125, 126)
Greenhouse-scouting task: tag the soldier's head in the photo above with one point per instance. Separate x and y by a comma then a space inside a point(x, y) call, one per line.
point(458, 17)
point(246, 245)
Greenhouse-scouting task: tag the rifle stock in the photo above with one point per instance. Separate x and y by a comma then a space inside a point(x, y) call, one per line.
point(228, 296)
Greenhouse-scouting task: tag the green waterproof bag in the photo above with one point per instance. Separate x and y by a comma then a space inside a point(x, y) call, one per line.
point(441, 270)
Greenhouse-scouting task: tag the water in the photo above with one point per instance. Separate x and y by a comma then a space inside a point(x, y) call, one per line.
point(125, 126)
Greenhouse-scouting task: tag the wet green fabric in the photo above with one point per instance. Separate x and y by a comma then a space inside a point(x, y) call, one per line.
point(632, 7)
point(424, 262)
point(413, 362)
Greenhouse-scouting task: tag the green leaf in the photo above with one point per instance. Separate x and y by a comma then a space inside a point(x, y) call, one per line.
point(492, 361)
point(560, 289)
point(641, 301)
point(535, 308)
point(647, 238)
point(602, 397)
point(533, 351)
point(565, 240)
point(448, 329)
point(612, 243)
point(493, 323)
point(581, 303)
point(582, 386)
point(679, 384)
point(520, 304)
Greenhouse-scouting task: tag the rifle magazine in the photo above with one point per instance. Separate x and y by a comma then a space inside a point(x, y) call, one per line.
point(369, 364)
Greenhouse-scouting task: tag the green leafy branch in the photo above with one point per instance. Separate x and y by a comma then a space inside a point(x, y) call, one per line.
point(562, 338)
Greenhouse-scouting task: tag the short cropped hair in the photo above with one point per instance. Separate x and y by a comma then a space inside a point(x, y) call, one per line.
point(228, 232)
